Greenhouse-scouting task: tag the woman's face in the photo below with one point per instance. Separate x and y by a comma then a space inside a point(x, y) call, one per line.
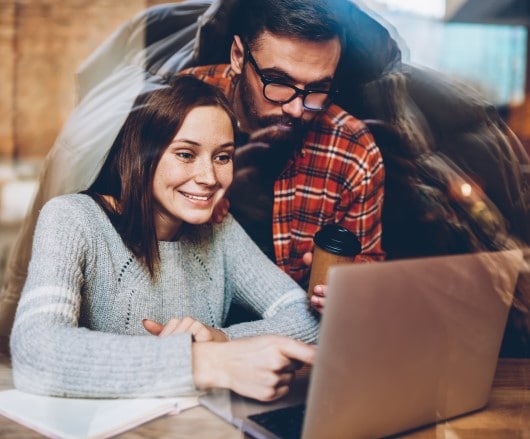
point(194, 171)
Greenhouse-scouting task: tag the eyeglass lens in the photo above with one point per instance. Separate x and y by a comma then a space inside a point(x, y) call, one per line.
point(283, 93)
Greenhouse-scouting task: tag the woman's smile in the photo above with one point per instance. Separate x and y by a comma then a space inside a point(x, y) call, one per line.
point(198, 197)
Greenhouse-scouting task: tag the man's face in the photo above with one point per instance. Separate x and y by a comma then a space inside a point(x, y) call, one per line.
point(307, 65)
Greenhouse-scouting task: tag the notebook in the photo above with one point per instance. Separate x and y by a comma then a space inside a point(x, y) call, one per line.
point(72, 418)
point(403, 344)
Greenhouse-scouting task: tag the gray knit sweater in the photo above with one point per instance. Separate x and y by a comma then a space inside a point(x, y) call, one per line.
point(78, 330)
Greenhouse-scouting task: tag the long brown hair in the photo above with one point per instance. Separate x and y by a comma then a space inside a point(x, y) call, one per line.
point(128, 172)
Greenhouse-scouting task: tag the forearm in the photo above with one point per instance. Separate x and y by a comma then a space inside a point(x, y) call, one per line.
point(77, 362)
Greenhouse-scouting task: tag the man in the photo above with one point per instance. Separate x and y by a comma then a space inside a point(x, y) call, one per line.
point(283, 60)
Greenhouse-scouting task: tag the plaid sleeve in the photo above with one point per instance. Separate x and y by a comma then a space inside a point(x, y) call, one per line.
point(337, 178)
point(362, 198)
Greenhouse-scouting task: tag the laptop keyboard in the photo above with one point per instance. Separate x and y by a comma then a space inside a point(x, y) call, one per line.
point(285, 423)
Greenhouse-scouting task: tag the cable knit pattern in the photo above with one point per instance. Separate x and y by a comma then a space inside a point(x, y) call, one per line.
point(78, 330)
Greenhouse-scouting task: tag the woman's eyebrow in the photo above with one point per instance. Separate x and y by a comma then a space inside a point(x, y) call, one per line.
point(194, 143)
point(184, 140)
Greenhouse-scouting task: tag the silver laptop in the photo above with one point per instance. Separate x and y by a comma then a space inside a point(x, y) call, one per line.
point(402, 344)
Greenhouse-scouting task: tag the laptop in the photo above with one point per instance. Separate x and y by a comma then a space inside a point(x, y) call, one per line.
point(403, 344)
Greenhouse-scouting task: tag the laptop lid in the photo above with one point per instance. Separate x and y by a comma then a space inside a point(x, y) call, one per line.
point(402, 344)
point(410, 342)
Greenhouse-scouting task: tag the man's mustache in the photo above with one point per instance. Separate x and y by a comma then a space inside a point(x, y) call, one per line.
point(282, 121)
point(270, 131)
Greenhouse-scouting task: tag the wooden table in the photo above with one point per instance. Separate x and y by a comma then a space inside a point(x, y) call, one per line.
point(507, 415)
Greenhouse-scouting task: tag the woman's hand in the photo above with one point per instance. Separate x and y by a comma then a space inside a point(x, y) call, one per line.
point(259, 367)
point(318, 295)
point(199, 330)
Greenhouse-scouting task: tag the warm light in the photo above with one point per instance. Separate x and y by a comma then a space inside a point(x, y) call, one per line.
point(466, 189)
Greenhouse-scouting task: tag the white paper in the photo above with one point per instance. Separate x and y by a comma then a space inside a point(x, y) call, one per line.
point(72, 418)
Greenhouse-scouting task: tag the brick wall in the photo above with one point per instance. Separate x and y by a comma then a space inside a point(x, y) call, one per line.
point(42, 43)
point(7, 68)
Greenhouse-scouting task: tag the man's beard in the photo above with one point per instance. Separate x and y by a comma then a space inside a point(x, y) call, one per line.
point(284, 129)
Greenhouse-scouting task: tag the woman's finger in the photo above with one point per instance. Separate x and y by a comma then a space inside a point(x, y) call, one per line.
point(201, 332)
point(170, 327)
point(285, 378)
point(152, 326)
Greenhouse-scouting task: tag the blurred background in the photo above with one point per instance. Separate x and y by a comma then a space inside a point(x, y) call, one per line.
point(43, 42)
point(481, 42)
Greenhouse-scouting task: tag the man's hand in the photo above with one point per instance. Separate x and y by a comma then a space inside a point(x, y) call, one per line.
point(199, 330)
point(319, 292)
point(259, 367)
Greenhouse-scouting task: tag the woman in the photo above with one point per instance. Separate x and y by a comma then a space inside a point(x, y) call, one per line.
point(136, 254)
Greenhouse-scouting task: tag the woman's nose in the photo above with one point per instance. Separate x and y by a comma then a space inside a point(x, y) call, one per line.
point(205, 173)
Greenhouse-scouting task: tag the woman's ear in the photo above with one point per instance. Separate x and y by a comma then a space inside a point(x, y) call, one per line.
point(237, 55)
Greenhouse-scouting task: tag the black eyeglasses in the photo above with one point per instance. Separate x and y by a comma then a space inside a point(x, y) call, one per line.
point(281, 93)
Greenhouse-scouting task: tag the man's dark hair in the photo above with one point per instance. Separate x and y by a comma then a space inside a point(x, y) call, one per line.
point(312, 20)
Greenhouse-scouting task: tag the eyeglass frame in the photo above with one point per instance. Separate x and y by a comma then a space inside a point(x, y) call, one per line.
point(297, 91)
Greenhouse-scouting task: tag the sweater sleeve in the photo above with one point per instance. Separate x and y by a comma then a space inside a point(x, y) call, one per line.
point(52, 355)
point(257, 283)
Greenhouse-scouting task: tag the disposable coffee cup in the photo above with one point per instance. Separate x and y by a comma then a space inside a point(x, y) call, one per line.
point(334, 245)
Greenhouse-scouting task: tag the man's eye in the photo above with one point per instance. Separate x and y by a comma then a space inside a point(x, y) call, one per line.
point(318, 88)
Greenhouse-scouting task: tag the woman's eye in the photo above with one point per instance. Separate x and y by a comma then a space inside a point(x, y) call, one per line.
point(186, 156)
point(223, 158)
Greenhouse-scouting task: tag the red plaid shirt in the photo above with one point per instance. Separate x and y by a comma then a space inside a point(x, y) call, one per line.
point(337, 177)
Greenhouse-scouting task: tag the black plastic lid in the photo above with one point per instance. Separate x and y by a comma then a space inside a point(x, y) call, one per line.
point(338, 240)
